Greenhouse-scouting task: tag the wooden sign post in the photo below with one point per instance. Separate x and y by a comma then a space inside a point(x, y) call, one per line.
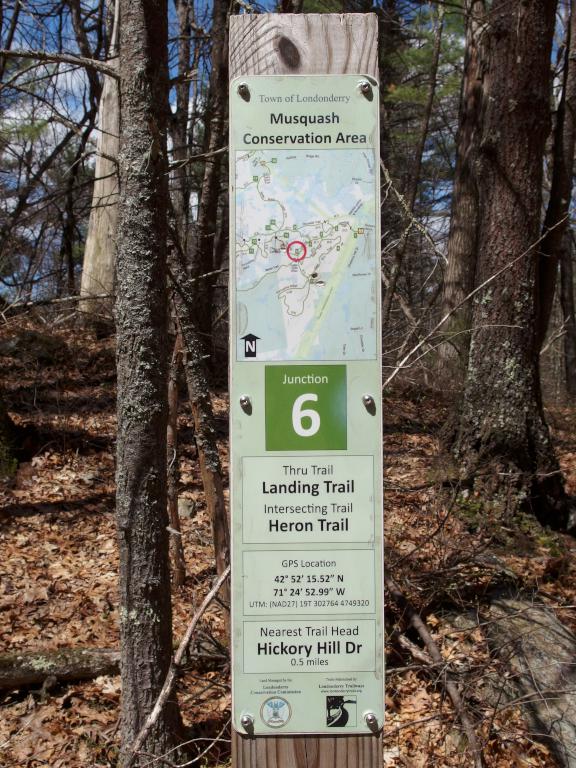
point(306, 468)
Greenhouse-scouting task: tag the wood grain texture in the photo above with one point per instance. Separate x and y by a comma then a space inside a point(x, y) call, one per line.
point(304, 44)
point(306, 752)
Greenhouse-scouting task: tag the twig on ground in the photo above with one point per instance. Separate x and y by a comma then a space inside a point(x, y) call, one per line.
point(416, 622)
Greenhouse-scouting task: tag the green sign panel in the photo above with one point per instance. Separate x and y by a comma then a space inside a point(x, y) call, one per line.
point(305, 407)
point(306, 437)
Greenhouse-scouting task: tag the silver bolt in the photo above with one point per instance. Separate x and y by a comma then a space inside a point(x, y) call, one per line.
point(371, 721)
point(366, 89)
point(243, 91)
point(246, 404)
point(247, 722)
point(369, 404)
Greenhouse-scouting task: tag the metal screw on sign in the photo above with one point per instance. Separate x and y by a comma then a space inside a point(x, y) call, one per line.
point(366, 89)
point(247, 722)
point(371, 721)
point(243, 91)
point(369, 404)
point(246, 404)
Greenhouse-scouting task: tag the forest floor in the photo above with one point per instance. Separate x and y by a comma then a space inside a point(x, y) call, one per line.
point(58, 570)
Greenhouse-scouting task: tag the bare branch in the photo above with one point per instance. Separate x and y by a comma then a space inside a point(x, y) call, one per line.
point(63, 58)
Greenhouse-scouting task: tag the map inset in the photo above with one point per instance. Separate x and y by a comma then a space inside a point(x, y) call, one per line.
point(306, 266)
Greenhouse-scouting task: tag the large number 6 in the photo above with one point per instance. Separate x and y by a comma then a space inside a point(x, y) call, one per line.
point(299, 413)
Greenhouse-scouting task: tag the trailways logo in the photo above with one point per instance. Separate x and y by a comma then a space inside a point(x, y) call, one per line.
point(340, 711)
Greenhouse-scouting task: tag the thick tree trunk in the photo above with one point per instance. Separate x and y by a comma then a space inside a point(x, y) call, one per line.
point(100, 250)
point(146, 614)
point(504, 445)
point(459, 279)
point(18, 669)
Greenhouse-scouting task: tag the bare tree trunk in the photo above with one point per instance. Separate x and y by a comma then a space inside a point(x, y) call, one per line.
point(68, 218)
point(8, 431)
point(556, 222)
point(176, 547)
point(504, 446)
point(459, 279)
point(569, 314)
point(146, 613)
point(100, 250)
point(216, 126)
point(179, 126)
point(201, 404)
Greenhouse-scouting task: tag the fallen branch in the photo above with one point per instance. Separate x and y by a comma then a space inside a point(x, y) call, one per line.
point(416, 622)
point(172, 676)
point(61, 300)
point(18, 670)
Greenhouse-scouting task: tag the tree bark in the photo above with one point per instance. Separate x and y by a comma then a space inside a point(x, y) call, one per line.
point(146, 614)
point(503, 445)
point(461, 250)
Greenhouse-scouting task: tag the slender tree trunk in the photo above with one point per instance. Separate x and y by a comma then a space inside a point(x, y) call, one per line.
point(66, 260)
point(9, 37)
point(216, 126)
point(100, 250)
point(146, 614)
point(179, 126)
point(569, 314)
point(556, 222)
point(201, 404)
point(459, 279)
point(504, 446)
point(7, 442)
point(176, 547)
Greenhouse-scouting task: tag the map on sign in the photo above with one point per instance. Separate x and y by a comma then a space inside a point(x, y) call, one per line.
point(305, 254)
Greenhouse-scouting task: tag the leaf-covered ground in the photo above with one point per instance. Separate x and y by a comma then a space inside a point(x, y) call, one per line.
point(58, 570)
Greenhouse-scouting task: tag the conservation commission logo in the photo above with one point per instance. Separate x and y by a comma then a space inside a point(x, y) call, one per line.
point(275, 712)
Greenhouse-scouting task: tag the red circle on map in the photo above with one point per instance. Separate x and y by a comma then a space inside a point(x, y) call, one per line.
point(304, 250)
